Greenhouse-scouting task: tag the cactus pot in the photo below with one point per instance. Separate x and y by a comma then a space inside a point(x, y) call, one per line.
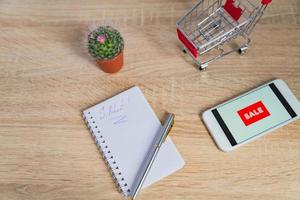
point(111, 65)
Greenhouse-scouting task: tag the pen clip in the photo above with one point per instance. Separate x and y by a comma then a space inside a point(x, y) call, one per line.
point(171, 126)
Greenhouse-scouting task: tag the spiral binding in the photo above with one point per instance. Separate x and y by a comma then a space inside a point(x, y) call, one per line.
point(106, 154)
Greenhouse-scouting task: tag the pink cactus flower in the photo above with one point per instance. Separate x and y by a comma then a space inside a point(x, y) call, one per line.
point(101, 39)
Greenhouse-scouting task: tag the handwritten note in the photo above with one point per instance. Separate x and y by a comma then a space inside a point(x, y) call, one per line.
point(115, 111)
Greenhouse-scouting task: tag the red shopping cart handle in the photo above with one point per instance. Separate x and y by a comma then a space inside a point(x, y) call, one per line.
point(234, 12)
point(266, 2)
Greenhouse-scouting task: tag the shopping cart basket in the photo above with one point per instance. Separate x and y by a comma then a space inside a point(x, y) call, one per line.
point(212, 23)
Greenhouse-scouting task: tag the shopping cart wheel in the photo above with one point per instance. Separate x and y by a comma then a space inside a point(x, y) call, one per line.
point(184, 51)
point(202, 66)
point(243, 50)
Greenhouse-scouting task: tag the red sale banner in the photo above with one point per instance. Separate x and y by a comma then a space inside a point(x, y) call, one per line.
point(253, 113)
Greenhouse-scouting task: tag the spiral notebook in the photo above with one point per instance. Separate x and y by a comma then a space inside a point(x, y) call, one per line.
point(124, 128)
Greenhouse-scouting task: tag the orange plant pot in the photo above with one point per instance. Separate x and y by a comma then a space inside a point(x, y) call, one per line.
point(112, 65)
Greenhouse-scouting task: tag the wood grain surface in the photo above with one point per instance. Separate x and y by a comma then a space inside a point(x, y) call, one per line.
point(47, 79)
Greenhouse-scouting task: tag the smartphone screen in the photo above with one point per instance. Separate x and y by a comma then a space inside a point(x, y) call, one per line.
point(254, 113)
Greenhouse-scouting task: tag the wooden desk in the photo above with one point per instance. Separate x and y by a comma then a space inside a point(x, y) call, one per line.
point(46, 79)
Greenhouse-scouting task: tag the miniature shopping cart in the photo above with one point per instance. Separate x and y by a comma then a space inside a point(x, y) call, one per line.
point(211, 24)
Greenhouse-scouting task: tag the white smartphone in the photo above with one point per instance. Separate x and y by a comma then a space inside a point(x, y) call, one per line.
point(251, 115)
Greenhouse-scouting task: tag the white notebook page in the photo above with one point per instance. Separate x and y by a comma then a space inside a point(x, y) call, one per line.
point(128, 125)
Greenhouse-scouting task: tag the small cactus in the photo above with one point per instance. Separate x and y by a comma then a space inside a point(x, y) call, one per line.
point(105, 43)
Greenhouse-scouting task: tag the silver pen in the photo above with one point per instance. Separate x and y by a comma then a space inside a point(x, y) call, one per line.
point(164, 131)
